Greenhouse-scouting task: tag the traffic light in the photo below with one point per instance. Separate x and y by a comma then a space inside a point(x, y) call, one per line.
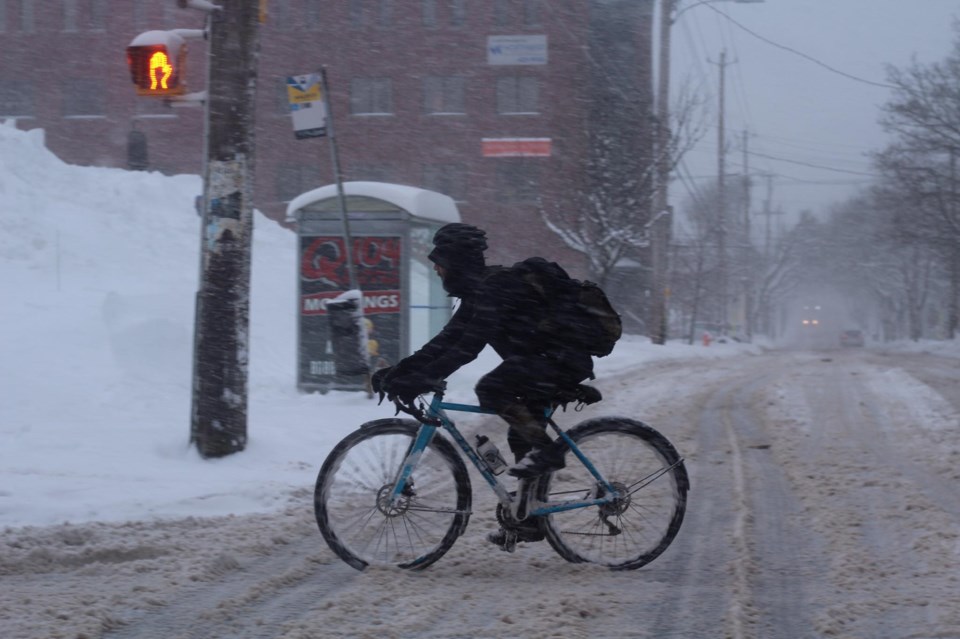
point(156, 61)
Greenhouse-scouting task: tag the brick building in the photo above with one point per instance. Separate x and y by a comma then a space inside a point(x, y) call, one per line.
point(494, 102)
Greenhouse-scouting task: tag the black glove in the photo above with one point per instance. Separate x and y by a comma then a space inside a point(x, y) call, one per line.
point(407, 387)
point(379, 378)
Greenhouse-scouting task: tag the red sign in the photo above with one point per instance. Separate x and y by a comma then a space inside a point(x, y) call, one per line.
point(515, 147)
point(324, 262)
point(324, 275)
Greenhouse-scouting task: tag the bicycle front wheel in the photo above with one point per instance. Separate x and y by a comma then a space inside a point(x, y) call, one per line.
point(352, 498)
point(649, 475)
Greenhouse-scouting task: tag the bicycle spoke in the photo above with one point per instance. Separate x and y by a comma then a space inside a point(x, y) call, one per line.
point(636, 521)
point(357, 511)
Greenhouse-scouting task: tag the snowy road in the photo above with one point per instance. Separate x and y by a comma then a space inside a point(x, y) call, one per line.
point(824, 503)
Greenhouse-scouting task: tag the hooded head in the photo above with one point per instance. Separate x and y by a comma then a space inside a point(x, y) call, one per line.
point(458, 248)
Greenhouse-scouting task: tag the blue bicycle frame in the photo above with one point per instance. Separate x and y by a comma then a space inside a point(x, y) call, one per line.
point(436, 411)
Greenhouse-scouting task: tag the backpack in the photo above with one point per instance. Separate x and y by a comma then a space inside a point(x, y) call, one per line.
point(578, 313)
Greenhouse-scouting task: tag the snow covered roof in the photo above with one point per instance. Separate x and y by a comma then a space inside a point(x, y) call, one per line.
point(422, 203)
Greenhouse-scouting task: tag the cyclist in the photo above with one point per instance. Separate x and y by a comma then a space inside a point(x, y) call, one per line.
point(500, 309)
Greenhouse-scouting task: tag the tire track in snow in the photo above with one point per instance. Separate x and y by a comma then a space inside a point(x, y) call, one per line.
point(779, 565)
point(246, 595)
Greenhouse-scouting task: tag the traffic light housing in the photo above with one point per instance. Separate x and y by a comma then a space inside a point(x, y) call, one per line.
point(156, 60)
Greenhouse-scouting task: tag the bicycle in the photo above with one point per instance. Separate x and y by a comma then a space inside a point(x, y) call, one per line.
point(395, 493)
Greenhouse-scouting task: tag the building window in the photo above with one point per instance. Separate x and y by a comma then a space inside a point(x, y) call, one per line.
point(70, 15)
point(518, 179)
point(531, 13)
point(443, 94)
point(313, 14)
point(429, 12)
point(84, 98)
point(501, 12)
point(26, 16)
point(363, 13)
point(97, 20)
point(140, 15)
point(94, 19)
point(291, 180)
point(173, 16)
point(371, 96)
point(385, 13)
point(449, 179)
point(358, 14)
point(518, 95)
point(279, 14)
point(458, 12)
point(16, 99)
point(138, 152)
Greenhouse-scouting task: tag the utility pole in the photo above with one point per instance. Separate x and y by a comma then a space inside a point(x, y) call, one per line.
point(767, 213)
point(954, 306)
point(219, 410)
point(750, 271)
point(721, 201)
point(660, 228)
point(746, 188)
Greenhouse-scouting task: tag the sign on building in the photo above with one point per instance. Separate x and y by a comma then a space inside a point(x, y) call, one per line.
point(515, 147)
point(517, 49)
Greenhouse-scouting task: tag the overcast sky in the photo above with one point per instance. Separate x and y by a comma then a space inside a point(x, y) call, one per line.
point(792, 107)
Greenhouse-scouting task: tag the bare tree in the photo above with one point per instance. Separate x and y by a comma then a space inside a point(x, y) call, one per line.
point(606, 221)
point(919, 168)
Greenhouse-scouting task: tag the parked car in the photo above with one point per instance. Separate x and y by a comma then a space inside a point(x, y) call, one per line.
point(851, 337)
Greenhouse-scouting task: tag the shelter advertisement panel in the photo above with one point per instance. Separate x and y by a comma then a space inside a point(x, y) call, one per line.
point(324, 275)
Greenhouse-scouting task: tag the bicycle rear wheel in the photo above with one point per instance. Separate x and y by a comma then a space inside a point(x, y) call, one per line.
point(634, 529)
point(351, 498)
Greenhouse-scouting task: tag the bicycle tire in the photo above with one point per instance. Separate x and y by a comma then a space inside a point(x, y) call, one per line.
point(630, 455)
point(351, 486)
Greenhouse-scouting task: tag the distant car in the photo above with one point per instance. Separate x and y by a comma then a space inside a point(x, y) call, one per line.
point(851, 337)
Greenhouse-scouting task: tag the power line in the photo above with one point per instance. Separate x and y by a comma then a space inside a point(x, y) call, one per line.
point(812, 165)
point(800, 53)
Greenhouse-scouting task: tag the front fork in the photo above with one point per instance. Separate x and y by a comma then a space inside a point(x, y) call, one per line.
point(401, 486)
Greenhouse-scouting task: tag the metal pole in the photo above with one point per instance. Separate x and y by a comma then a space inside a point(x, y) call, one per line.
point(747, 259)
point(335, 157)
point(660, 231)
point(721, 201)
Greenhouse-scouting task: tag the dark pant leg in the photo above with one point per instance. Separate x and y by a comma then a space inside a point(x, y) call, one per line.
point(520, 389)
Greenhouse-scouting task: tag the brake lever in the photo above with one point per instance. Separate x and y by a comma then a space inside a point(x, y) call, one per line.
point(417, 413)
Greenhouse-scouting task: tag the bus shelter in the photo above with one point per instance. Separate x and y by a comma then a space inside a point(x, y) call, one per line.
point(404, 304)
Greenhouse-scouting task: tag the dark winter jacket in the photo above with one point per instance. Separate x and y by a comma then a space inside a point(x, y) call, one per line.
point(497, 308)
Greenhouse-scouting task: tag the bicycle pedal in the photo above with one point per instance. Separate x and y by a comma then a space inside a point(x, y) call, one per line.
point(505, 540)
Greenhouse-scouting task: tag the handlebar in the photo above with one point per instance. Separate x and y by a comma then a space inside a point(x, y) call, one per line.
point(419, 412)
point(416, 412)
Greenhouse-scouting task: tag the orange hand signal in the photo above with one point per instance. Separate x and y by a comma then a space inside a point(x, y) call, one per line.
point(159, 61)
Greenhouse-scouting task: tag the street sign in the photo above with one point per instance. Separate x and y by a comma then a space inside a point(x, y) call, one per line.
point(307, 107)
